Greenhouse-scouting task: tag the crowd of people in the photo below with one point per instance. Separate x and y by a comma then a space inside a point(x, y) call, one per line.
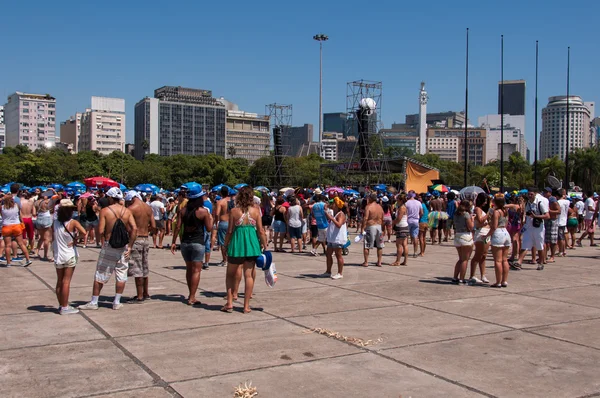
point(244, 223)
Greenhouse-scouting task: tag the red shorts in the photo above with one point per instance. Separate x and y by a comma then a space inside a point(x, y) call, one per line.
point(28, 230)
point(589, 226)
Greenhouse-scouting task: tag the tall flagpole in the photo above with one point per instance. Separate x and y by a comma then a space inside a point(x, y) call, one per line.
point(466, 143)
point(535, 158)
point(502, 113)
point(568, 146)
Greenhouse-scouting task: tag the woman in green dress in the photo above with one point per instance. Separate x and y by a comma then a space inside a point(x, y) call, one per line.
point(245, 240)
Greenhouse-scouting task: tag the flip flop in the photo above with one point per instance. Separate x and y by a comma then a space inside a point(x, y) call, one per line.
point(395, 264)
point(364, 265)
point(228, 310)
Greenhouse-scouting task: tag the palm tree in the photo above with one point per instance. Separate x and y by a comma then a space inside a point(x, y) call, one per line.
point(553, 166)
point(585, 170)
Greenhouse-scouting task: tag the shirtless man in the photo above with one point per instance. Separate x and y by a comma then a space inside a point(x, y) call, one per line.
point(221, 216)
point(436, 205)
point(27, 214)
point(371, 227)
point(144, 219)
point(113, 259)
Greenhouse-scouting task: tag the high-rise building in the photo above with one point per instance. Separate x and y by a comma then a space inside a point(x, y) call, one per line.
point(514, 97)
point(401, 137)
point(2, 128)
point(514, 138)
point(247, 136)
point(30, 120)
point(335, 122)
point(70, 131)
point(103, 126)
point(330, 145)
point(180, 120)
point(440, 119)
point(296, 138)
point(553, 138)
point(449, 144)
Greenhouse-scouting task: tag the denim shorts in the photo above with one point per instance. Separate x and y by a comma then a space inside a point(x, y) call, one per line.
point(192, 252)
point(295, 233)
point(279, 227)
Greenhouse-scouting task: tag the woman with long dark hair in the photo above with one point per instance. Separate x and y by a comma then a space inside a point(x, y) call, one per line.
point(65, 253)
point(245, 240)
point(12, 228)
point(92, 224)
point(194, 219)
point(482, 241)
point(402, 231)
point(279, 227)
point(463, 239)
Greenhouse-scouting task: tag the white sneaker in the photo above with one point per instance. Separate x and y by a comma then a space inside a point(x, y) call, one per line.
point(337, 276)
point(474, 280)
point(117, 306)
point(88, 306)
point(484, 279)
point(69, 310)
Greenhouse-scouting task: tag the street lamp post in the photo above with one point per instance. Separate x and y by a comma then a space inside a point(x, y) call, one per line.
point(321, 38)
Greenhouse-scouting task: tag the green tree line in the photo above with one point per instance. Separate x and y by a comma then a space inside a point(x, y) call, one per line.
point(45, 166)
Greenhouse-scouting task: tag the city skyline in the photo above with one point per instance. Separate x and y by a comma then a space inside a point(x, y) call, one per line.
point(289, 71)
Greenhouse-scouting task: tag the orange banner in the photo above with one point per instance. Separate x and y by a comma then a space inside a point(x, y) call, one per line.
point(418, 178)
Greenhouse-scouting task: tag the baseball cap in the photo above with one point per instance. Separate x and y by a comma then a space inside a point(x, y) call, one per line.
point(548, 189)
point(130, 195)
point(66, 203)
point(115, 193)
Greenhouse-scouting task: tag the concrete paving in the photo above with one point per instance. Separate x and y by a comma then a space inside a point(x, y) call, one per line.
point(427, 337)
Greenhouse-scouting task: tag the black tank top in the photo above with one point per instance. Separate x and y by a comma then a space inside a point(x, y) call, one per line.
point(279, 215)
point(90, 214)
point(193, 229)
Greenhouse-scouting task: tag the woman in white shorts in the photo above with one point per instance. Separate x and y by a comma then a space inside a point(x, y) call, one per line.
point(463, 240)
point(482, 241)
point(501, 240)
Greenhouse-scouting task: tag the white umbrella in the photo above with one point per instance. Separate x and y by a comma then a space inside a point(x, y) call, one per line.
point(470, 192)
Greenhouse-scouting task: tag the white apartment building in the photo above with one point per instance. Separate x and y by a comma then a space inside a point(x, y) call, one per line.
point(30, 120)
point(553, 138)
point(103, 126)
point(330, 145)
point(514, 135)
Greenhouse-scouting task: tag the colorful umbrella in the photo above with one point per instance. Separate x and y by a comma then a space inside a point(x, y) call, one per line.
point(440, 188)
point(100, 182)
point(334, 189)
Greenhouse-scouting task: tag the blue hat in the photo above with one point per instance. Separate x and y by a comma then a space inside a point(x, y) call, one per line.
point(264, 260)
point(194, 190)
point(436, 193)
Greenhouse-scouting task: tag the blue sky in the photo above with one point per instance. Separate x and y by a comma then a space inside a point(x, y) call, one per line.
point(259, 52)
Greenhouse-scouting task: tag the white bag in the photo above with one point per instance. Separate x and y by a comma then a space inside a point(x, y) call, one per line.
point(271, 275)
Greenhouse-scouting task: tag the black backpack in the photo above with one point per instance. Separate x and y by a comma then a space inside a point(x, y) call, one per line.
point(119, 237)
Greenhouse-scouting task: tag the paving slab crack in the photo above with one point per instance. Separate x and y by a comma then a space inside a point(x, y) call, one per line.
point(158, 381)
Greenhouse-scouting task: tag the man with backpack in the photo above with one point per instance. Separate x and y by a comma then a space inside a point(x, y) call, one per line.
point(119, 230)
